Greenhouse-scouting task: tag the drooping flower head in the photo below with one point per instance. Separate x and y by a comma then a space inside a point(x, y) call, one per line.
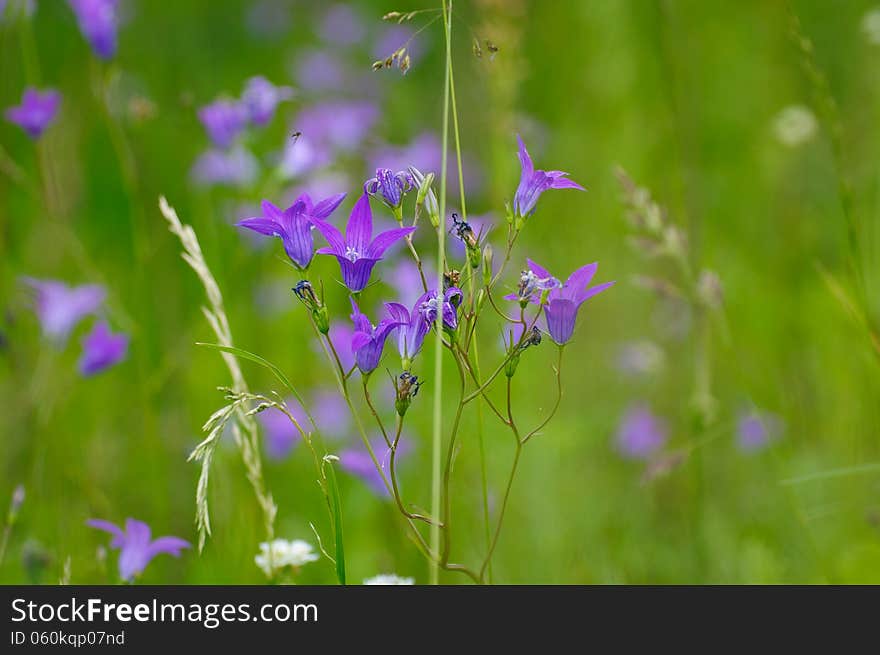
point(101, 350)
point(641, 433)
point(368, 341)
point(533, 183)
point(136, 546)
point(358, 251)
point(563, 302)
point(755, 430)
point(60, 307)
point(261, 98)
point(97, 21)
point(223, 120)
point(293, 225)
point(389, 187)
point(36, 111)
point(431, 303)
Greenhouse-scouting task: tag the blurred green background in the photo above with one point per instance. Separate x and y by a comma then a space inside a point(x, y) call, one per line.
point(683, 94)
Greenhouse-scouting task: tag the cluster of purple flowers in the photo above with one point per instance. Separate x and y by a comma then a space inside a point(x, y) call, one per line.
point(60, 308)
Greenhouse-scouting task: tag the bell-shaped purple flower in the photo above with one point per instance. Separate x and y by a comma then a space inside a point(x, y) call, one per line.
point(358, 251)
point(60, 307)
point(389, 186)
point(368, 341)
point(101, 350)
point(136, 545)
point(261, 98)
point(431, 303)
point(533, 183)
point(36, 111)
point(413, 327)
point(641, 433)
point(293, 225)
point(97, 21)
point(563, 301)
point(223, 120)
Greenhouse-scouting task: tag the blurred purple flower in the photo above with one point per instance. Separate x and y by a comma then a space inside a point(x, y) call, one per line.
point(319, 70)
point(357, 462)
point(358, 251)
point(430, 304)
point(236, 167)
point(97, 21)
point(368, 341)
point(340, 125)
point(281, 435)
point(756, 429)
point(340, 334)
point(136, 545)
point(331, 412)
point(640, 434)
point(533, 183)
point(404, 278)
point(394, 37)
point(101, 350)
point(293, 225)
point(60, 307)
point(563, 302)
point(342, 25)
point(301, 156)
point(36, 111)
point(223, 120)
point(261, 98)
point(389, 187)
point(424, 153)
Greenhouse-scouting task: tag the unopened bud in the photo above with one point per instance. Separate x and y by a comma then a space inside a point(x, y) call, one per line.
point(512, 363)
point(488, 254)
point(426, 197)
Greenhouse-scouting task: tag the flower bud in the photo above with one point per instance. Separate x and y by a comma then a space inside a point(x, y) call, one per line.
point(426, 196)
point(512, 363)
point(488, 254)
point(322, 319)
point(406, 387)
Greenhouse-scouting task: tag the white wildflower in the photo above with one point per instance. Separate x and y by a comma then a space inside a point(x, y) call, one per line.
point(389, 579)
point(795, 125)
point(281, 553)
point(871, 26)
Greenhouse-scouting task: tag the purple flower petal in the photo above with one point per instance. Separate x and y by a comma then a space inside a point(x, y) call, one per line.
point(36, 111)
point(101, 350)
point(385, 240)
point(360, 227)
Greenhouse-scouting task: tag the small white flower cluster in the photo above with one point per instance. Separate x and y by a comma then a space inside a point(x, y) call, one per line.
point(389, 579)
point(795, 125)
point(281, 553)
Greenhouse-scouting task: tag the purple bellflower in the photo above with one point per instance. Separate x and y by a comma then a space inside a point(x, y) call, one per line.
point(641, 433)
point(36, 111)
point(563, 301)
point(430, 304)
point(97, 21)
point(412, 330)
point(755, 430)
point(293, 225)
point(358, 251)
point(136, 545)
point(101, 350)
point(533, 183)
point(368, 341)
point(223, 121)
point(261, 98)
point(60, 307)
point(389, 187)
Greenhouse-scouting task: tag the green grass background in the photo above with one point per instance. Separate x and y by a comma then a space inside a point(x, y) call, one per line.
point(681, 93)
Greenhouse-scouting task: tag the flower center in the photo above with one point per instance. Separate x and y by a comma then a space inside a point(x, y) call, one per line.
point(351, 254)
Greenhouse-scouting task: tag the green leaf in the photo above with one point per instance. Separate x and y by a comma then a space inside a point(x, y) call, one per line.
point(330, 475)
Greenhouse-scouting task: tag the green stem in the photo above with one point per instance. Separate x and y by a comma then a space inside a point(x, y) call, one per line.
point(437, 422)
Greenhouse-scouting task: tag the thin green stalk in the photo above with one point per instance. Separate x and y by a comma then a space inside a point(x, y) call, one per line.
point(437, 423)
point(472, 290)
